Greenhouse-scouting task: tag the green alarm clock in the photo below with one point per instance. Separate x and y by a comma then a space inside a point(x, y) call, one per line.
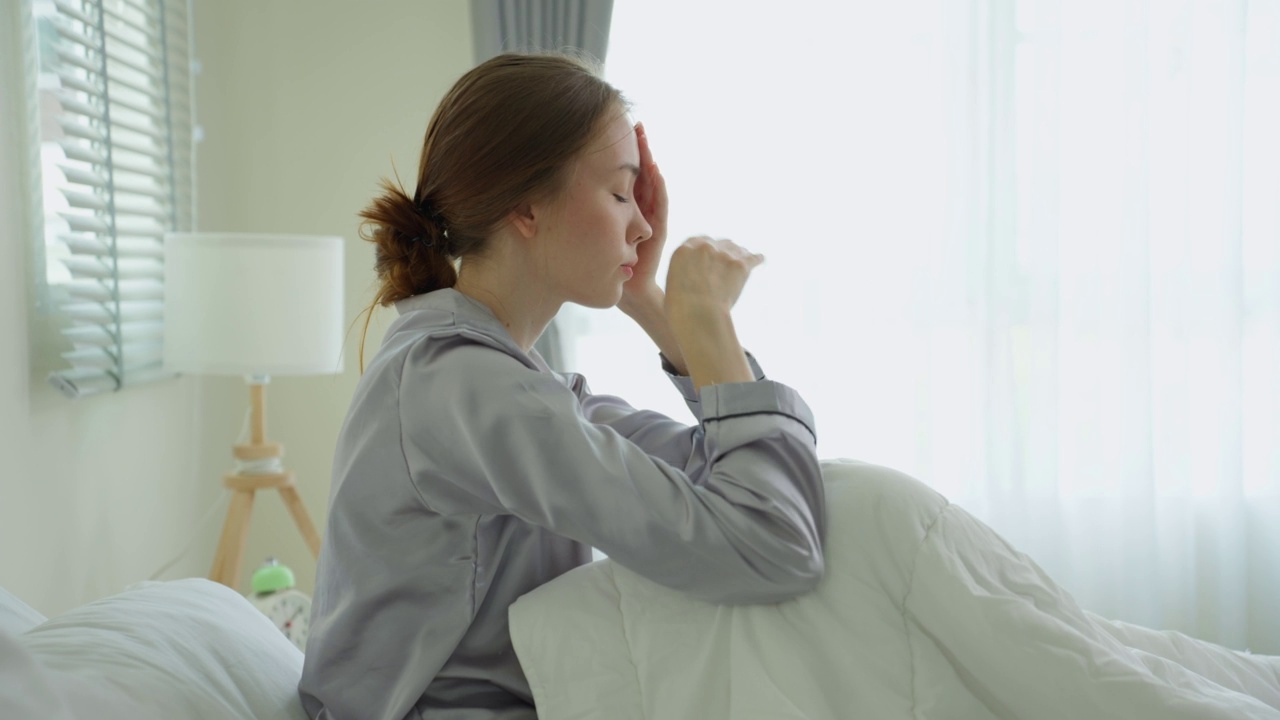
point(275, 594)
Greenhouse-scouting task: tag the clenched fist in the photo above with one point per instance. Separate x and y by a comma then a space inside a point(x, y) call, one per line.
point(706, 274)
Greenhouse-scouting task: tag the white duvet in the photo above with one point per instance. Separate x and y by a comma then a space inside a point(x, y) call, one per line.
point(924, 613)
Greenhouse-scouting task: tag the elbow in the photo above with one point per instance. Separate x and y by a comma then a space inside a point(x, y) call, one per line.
point(815, 571)
point(793, 564)
point(785, 577)
point(804, 574)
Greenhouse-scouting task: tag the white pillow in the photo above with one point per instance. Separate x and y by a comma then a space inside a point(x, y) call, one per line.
point(187, 649)
point(17, 617)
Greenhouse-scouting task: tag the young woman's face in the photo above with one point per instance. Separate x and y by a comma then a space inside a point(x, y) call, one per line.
point(592, 229)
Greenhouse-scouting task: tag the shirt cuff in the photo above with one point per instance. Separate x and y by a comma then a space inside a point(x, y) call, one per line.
point(720, 402)
point(684, 383)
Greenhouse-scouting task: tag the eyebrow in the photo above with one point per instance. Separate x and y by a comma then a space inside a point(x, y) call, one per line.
point(635, 169)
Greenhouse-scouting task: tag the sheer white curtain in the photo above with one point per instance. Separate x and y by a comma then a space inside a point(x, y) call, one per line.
point(1027, 251)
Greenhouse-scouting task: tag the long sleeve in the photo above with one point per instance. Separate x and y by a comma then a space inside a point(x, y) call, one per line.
point(495, 436)
point(684, 383)
point(677, 443)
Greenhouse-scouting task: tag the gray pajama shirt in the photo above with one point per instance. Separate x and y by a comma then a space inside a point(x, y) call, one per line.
point(467, 473)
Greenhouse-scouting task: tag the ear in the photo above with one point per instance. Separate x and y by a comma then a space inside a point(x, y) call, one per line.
point(524, 218)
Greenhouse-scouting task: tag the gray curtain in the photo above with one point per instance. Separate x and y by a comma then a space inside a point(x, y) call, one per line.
point(499, 26)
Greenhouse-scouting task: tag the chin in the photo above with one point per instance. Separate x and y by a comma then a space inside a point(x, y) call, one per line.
point(601, 300)
point(603, 304)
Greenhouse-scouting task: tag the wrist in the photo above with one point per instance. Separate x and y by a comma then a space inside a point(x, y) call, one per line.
point(693, 320)
point(643, 302)
point(713, 354)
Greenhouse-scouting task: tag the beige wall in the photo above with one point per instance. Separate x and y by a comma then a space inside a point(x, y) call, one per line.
point(304, 105)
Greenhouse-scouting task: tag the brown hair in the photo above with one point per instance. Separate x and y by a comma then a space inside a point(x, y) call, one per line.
point(503, 135)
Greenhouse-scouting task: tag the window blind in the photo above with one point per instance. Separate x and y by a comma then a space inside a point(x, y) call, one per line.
point(124, 127)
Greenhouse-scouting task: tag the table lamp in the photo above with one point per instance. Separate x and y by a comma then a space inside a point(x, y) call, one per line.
point(254, 305)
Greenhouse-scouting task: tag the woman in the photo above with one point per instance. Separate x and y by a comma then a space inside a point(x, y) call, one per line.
point(468, 473)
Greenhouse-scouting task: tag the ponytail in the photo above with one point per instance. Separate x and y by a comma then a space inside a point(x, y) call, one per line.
point(411, 250)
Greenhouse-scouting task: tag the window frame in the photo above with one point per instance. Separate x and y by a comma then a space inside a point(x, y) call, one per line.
point(83, 61)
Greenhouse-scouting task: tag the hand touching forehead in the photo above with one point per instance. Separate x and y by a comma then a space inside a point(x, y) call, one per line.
point(614, 151)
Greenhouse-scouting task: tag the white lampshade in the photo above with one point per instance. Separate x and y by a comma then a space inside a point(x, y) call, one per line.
point(253, 304)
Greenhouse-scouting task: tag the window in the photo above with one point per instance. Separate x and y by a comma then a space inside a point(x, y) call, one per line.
point(115, 157)
point(1028, 252)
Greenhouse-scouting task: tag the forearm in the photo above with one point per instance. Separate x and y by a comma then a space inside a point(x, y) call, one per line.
point(698, 342)
point(712, 352)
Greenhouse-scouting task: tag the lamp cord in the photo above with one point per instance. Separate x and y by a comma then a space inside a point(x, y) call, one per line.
point(220, 504)
point(265, 466)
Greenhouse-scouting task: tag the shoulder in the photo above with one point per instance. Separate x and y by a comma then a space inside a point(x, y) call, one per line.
point(467, 376)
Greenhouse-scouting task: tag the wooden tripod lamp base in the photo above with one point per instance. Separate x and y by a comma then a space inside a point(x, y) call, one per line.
point(228, 561)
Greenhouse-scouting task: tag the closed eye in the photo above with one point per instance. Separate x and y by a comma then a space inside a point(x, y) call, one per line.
point(620, 198)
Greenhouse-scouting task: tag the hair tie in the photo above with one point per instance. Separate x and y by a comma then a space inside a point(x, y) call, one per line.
point(427, 209)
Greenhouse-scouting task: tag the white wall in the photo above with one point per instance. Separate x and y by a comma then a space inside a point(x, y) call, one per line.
point(97, 493)
point(305, 105)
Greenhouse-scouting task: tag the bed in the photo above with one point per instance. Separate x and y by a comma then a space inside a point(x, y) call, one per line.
point(924, 613)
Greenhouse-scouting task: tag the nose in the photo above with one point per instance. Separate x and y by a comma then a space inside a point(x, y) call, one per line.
point(641, 229)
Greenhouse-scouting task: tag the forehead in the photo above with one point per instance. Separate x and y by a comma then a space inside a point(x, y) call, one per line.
point(614, 145)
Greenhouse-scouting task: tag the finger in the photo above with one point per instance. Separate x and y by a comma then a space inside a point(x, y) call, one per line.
point(738, 251)
point(659, 198)
point(732, 247)
point(646, 153)
point(646, 186)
